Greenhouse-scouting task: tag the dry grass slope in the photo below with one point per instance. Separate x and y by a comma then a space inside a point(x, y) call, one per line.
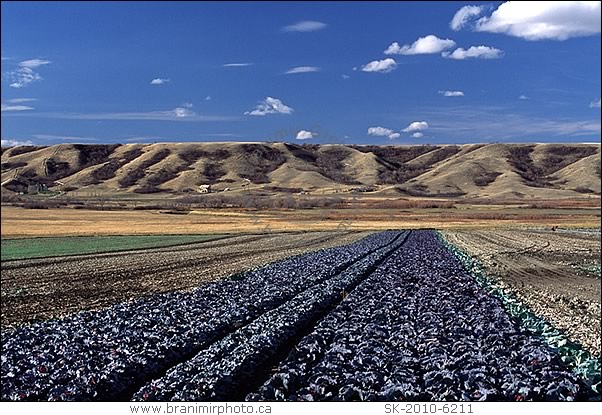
point(544, 171)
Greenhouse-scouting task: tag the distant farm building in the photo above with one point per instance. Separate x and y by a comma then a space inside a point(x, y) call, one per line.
point(205, 188)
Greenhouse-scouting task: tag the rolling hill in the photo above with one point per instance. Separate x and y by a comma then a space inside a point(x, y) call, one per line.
point(458, 171)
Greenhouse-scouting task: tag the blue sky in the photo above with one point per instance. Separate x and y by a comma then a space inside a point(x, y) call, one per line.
point(358, 72)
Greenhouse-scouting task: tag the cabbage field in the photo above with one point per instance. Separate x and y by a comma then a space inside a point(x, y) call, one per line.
point(393, 316)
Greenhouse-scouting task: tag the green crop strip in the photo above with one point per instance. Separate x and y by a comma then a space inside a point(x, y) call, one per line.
point(581, 361)
point(30, 248)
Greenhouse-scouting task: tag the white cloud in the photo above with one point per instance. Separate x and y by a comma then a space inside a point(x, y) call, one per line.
point(14, 143)
point(182, 112)
point(20, 100)
point(33, 63)
point(383, 132)
point(160, 81)
point(424, 45)
point(451, 93)
point(64, 138)
point(536, 20)
point(417, 135)
point(523, 97)
point(464, 15)
point(187, 105)
point(345, 76)
point(305, 135)
point(15, 108)
point(303, 69)
point(24, 74)
point(270, 106)
point(208, 98)
point(595, 104)
point(495, 123)
point(236, 65)
point(383, 66)
point(481, 52)
point(305, 26)
point(176, 114)
point(416, 126)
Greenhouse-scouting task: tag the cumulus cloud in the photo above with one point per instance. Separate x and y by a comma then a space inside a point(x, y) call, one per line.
point(305, 26)
point(416, 126)
point(208, 98)
point(478, 52)
point(451, 93)
point(24, 74)
point(303, 69)
point(15, 108)
point(270, 106)
point(424, 45)
point(187, 105)
point(305, 135)
point(345, 76)
point(14, 143)
point(383, 66)
point(160, 81)
point(536, 20)
point(523, 97)
point(383, 132)
point(236, 65)
point(181, 112)
point(417, 135)
point(464, 15)
point(595, 104)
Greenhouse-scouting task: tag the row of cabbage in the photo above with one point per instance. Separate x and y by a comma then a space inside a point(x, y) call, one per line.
point(421, 328)
point(228, 366)
point(110, 354)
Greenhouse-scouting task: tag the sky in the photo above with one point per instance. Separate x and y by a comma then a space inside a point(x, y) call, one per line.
point(308, 72)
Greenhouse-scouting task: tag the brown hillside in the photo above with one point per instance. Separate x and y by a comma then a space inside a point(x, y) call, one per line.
point(465, 171)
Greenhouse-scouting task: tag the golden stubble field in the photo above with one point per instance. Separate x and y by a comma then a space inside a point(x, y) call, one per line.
point(18, 222)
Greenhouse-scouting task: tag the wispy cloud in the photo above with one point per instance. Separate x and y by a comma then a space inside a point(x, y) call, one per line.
point(305, 26)
point(465, 15)
point(383, 66)
point(451, 93)
point(383, 132)
point(177, 114)
point(498, 123)
point(523, 97)
point(15, 108)
point(236, 65)
point(64, 138)
point(20, 100)
point(24, 74)
point(479, 52)
point(270, 106)
point(14, 143)
point(531, 20)
point(160, 81)
point(305, 135)
point(33, 63)
point(345, 76)
point(424, 45)
point(303, 69)
point(208, 98)
point(595, 104)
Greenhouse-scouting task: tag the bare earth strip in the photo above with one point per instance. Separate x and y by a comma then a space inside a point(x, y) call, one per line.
point(19, 223)
point(52, 287)
point(557, 274)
